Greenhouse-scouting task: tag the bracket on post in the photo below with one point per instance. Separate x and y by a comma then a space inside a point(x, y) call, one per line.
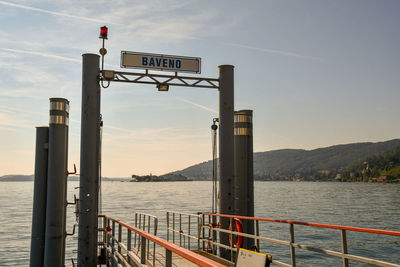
point(74, 172)
point(73, 231)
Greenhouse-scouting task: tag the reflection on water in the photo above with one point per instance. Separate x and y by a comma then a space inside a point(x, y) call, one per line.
point(353, 204)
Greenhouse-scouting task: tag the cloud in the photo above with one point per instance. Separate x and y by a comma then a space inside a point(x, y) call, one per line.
point(36, 53)
point(99, 21)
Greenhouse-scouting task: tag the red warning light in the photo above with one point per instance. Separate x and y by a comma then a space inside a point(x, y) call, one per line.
point(103, 32)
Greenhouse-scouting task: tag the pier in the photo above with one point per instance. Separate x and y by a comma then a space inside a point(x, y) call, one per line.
point(227, 236)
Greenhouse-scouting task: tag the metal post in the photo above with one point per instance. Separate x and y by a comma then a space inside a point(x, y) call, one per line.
point(56, 182)
point(292, 249)
point(258, 234)
point(119, 237)
point(199, 225)
point(345, 262)
point(89, 167)
point(226, 151)
point(244, 179)
point(168, 258)
point(113, 237)
point(129, 243)
point(189, 233)
point(173, 227)
point(180, 230)
point(167, 225)
point(154, 244)
point(39, 197)
point(143, 250)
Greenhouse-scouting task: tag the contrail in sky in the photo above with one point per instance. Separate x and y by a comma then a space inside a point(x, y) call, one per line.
point(40, 54)
point(55, 13)
point(36, 53)
point(196, 104)
point(273, 51)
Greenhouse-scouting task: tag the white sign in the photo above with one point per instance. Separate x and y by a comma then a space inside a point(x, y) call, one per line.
point(247, 258)
point(160, 62)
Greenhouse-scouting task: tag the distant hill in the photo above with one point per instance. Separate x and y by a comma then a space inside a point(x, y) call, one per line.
point(382, 167)
point(16, 178)
point(299, 164)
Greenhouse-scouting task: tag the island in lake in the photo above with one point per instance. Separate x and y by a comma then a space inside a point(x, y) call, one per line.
point(162, 178)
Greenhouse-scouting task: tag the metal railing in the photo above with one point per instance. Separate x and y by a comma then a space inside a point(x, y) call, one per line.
point(210, 222)
point(184, 225)
point(145, 222)
point(124, 254)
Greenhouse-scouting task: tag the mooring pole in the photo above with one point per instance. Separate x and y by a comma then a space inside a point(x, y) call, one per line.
point(39, 197)
point(226, 152)
point(89, 167)
point(56, 182)
point(244, 179)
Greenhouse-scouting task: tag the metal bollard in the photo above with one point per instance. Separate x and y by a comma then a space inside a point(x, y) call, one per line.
point(56, 183)
point(39, 197)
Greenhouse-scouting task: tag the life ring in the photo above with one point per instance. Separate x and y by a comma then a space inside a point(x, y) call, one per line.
point(239, 228)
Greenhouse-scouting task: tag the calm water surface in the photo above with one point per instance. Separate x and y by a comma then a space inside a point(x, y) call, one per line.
point(352, 204)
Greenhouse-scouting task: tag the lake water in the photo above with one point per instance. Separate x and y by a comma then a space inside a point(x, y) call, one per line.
point(351, 204)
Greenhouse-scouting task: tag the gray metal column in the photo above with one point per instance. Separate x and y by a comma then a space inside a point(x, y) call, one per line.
point(39, 197)
point(89, 167)
point(56, 181)
point(244, 179)
point(226, 156)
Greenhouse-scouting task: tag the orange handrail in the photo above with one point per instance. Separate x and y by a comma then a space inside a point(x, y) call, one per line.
point(332, 226)
point(185, 253)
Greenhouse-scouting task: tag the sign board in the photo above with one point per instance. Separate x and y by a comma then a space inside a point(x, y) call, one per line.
point(160, 62)
point(251, 258)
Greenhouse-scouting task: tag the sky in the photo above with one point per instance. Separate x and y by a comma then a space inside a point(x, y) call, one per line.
point(315, 73)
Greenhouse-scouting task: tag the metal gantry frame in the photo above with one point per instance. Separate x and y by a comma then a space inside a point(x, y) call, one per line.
point(157, 79)
point(93, 76)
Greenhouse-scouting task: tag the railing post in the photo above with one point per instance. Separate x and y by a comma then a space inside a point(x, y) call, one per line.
point(167, 225)
point(119, 237)
point(258, 234)
point(108, 235)
point(292, 251)
point(214, 233)
point(199, 226)
point(143, 250)
point(135, 232)
point(173, 227)
point(180, 230)
point(148, 243)
point(104, 229)
point(202, 231)
point(189, 233)
point(343, 238)
point(140, 225)
point(154, 244)
point(113, 237)
point(168, 258)
point(129, 237)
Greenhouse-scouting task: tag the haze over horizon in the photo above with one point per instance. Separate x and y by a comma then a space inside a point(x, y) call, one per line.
point(315, 73)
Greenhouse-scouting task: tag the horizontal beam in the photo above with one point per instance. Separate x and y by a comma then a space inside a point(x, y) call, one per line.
point(153, 78)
